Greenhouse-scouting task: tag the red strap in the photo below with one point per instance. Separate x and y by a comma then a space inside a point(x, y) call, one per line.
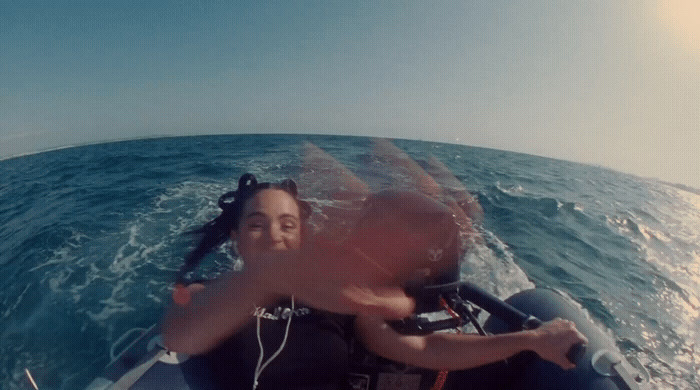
point(440, 380)
point(442, 375)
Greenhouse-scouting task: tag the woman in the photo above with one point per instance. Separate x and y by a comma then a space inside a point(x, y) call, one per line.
point(258, 323)
point(266, 224)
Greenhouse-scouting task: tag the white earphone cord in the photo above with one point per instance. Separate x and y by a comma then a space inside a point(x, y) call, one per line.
point(260, 366)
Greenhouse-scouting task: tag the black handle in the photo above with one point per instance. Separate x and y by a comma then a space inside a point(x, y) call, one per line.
point(497, 307)
point(516, 318)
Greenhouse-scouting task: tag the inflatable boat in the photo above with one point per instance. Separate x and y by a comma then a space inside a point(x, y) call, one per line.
point(144, 363)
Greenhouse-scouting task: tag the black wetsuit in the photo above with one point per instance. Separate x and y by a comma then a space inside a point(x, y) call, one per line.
point(315, 355)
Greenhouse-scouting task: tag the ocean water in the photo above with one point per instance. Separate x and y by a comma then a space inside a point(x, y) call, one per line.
point(90, 238)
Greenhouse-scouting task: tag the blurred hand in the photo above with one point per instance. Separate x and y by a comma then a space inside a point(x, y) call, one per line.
point(334, 278)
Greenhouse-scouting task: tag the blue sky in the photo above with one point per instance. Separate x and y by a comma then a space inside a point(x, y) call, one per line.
point(608, 83)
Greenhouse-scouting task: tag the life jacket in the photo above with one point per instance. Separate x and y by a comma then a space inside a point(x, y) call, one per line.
point(417, 238)
point(412, 235)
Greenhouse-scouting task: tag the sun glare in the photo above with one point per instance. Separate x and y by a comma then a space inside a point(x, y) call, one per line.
point(682, 17)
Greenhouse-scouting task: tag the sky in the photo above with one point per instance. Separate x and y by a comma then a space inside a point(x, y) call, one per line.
point(609, 83)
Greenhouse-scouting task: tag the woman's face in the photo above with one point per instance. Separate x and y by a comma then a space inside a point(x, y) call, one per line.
point(270, 222)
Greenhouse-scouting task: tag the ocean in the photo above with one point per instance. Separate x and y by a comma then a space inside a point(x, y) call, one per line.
point(91, 236)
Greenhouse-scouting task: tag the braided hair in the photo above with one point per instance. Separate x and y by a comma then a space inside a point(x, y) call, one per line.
point(232, 203)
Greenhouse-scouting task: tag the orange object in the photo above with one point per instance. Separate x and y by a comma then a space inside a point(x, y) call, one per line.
point(181, 295)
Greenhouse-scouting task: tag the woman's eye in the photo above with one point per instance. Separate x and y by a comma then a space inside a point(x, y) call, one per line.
point(289, 224)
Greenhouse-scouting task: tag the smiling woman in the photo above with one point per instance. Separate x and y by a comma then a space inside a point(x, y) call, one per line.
point(266, 224)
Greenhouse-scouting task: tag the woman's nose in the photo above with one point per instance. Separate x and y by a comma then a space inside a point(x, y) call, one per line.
point(274, 233)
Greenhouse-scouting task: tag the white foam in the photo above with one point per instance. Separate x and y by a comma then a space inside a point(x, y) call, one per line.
point(494, 271)
point(17, 302)
point(113, 304)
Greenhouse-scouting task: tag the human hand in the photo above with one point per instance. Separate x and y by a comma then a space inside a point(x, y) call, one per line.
point(553, 340)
